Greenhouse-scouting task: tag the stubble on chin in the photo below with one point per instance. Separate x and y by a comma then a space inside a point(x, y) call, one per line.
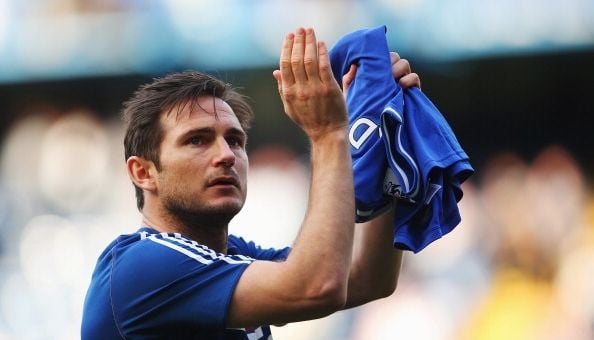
point(199, 215)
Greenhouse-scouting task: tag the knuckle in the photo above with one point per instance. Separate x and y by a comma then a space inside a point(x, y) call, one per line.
point(301, 94)
point(288, 93)
point(285, 62)
point(417, 79)
point(308, 61)
point(394, 56)
point(404, 64)
point(295, 61)
point(327, 91)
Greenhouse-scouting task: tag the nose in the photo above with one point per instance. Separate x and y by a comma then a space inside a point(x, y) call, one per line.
point(224, 155)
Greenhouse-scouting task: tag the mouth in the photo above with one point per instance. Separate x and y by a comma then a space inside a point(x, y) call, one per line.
point(224, 181)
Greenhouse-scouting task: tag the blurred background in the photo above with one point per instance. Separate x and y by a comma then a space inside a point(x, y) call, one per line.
point(514, 78)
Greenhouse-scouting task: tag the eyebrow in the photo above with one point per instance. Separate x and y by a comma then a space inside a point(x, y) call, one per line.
point(208, 130)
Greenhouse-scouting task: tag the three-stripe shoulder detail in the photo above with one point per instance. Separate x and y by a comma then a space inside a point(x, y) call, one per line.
point(194, 250)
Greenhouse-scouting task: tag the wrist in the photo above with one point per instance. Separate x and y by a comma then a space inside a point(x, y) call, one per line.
point(331, 146)
point(329, 136)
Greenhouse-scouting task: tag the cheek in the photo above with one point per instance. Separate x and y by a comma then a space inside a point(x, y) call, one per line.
point(241, 166)
point(243, 161)
point(179, 173)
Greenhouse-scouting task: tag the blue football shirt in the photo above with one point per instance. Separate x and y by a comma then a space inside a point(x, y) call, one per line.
point(164, 285)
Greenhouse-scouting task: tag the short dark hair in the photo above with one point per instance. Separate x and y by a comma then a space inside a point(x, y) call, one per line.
point(142, 112)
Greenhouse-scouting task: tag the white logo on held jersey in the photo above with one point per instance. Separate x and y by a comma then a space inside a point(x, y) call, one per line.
point(371, 126)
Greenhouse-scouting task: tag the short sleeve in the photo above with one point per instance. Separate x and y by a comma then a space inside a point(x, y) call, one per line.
point(241, 246)
point(167, 282)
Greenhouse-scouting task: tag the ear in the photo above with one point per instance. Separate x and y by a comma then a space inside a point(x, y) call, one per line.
point(142, 172)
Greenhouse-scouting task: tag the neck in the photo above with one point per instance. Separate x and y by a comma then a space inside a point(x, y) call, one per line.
point(206, 230)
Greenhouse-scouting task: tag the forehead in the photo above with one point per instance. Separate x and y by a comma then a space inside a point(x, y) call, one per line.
point(204, 111)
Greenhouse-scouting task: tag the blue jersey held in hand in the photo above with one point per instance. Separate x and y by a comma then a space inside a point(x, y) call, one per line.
point(403, 149)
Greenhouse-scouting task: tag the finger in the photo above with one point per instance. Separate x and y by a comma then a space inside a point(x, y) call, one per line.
point(401, 68)
point(394, 57)
point(277, 75)
point(410, 80)
point(310, 59)
point(285, 60)
point(297, 56)
point(324, 64)
point(348, 78)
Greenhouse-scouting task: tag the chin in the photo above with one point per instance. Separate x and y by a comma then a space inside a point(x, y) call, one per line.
point(227, 206)
point(213, 214)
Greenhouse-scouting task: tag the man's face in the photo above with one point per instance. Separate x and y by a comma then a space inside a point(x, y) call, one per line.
point(203, 161)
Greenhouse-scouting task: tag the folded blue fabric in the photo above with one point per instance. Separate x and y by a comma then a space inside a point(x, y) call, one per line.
point(402, 147)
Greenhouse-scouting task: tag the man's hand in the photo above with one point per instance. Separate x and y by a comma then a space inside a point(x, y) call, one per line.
point(310, 94)
point(400, 70)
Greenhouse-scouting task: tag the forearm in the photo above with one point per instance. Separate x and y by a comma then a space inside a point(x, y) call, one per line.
point(312, 282)
point(322, 251)
point(376, 263)
point(320, 259)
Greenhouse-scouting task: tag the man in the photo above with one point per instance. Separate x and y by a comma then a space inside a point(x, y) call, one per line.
point(181, 275)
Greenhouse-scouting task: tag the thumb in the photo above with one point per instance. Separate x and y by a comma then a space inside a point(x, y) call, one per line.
point(277, 75)
point(348, 78)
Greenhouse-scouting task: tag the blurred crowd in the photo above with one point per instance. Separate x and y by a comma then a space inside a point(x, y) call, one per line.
point(519, 266)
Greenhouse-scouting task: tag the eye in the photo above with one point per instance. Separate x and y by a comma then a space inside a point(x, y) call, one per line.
point(235, 141)
point(196, 140)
